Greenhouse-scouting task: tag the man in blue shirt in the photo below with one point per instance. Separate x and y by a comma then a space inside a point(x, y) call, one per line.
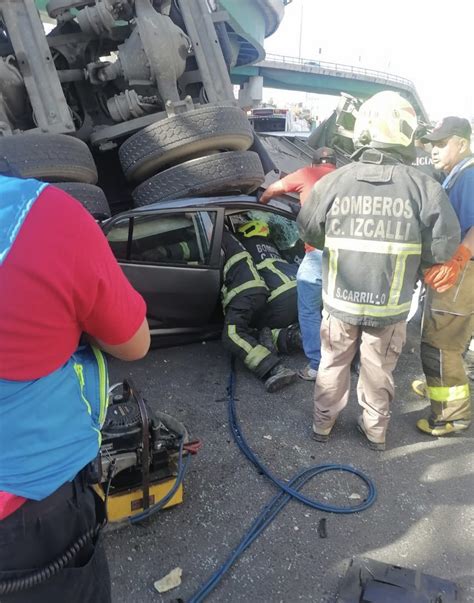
point(447, 324)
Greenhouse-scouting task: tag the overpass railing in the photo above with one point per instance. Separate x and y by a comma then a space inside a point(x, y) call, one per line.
point(349, 70)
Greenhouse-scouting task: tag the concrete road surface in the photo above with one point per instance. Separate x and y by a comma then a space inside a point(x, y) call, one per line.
point(422, 518)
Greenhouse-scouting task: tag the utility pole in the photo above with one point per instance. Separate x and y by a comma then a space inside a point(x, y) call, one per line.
point(301, 29)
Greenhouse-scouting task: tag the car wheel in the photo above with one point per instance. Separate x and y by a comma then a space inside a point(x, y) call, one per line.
point(92, 198)
point(49, 157)
point(234, 171)
point(184, 136)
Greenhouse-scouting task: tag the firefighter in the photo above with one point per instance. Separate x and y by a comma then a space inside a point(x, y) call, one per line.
point(380, 219)
point(250, 314)
point(449, 309)
point(279, 275)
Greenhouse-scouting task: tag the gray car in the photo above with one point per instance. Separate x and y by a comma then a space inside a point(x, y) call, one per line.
point(171, 253)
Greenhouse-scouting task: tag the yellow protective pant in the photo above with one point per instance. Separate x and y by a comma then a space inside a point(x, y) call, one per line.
point(446, 332)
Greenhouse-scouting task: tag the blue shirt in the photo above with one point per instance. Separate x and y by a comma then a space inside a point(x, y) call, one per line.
point(461, 196)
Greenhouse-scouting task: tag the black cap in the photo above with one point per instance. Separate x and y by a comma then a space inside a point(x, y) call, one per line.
point(324, 155)
point(447, 127)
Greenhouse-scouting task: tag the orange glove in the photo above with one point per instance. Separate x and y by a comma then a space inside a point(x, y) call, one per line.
point(442, 277)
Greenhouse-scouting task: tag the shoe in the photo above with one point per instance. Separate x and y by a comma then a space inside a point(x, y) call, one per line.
point(419, 387)
point(279, 377)
point(442, 429)
point(308, 373)
point(265, 338)
point(294, 342)
point(380, 446)
point(322, 435)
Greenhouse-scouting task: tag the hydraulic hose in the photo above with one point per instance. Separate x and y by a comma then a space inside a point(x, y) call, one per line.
point(288, 490)
point(182, 468)
point(37, 577)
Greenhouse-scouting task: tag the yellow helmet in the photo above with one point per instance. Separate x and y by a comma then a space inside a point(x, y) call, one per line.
point(385, 119)
point(254, 228)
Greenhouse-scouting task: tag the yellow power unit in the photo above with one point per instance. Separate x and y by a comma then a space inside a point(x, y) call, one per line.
point(123, 505)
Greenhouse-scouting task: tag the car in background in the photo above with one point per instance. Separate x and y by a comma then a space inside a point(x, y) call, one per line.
point(171, 253)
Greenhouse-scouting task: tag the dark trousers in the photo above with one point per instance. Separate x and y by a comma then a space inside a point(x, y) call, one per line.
point(280, 312)
point(240, 335)
point(41, 531)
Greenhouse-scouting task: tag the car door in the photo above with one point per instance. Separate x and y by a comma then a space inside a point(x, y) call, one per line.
point(172, 257)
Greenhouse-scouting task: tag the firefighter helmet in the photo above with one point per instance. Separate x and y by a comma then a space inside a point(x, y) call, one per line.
point(254, 228)
point(385, 119)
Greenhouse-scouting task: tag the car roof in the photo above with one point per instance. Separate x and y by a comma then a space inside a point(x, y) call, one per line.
point(226, 201)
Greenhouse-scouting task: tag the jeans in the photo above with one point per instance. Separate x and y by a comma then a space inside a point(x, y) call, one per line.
point(309, 287)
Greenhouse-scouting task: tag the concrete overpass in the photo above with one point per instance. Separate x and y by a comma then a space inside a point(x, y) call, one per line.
point(308, 75)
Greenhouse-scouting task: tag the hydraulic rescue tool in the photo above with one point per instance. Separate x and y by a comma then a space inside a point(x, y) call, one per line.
point(142, 458)
point(140, 469)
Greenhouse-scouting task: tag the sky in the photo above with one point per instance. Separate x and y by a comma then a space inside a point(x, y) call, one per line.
point(429, 42)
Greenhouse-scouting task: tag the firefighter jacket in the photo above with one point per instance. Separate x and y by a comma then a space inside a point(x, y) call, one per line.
point(380, 220)
point(278, 274)
point(239, 273)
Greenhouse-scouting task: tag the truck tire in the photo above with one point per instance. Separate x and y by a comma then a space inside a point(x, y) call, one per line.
point(91, 197)
point(234, 171)
point(49, 157)
point(184, 136)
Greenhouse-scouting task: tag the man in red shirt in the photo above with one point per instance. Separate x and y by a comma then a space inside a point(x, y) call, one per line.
point(59, 279)
point(309, 276)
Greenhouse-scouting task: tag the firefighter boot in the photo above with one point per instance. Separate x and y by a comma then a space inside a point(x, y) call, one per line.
point(442, 428)
point(294, 342)
point(279, 377)
point(265, 338)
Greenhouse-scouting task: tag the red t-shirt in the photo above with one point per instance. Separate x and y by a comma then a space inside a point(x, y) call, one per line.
point(302, 182)
point(59, 279)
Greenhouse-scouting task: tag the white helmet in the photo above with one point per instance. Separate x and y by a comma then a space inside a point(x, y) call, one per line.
point(386, 119)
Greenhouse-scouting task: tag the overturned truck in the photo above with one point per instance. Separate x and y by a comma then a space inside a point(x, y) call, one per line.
point(123, 101)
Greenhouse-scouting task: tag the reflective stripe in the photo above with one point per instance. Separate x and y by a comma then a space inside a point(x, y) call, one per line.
point(449, 394)
point(400, 250)
point(185, 249)
point(269, 264)
point(79, 370)
point(366, 309)
point(397, 282)
point(257, 282)
point(275, 335)
point(288, 283)
point(255, 355)
point(227, 296)
point(103, 384)
point(389, 248)
point(332, 271)
point(281, 289)
point(235, 259)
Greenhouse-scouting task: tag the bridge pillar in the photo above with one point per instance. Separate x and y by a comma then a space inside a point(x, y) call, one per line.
point(251, 92)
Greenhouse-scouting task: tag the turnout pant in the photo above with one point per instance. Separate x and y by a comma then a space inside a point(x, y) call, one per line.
point(240, 335)
point(41, 531)
point(380, 348)
point(446, 332)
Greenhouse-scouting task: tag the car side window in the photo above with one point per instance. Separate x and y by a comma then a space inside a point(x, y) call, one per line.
point(174, 238)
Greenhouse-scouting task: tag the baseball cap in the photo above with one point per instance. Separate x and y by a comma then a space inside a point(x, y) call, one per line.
point(447, 127)
point(324, 155)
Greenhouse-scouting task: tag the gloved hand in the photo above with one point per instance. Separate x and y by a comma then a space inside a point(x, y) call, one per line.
point(442, 277)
